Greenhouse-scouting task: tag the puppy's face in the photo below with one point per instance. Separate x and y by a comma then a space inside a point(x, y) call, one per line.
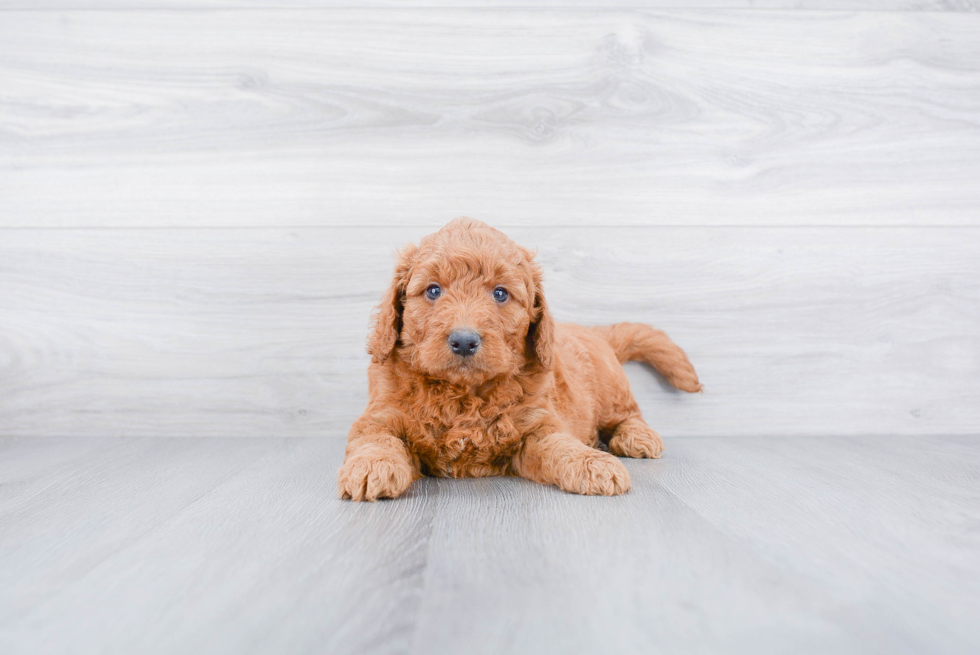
point(467, 306)
point(466, 311)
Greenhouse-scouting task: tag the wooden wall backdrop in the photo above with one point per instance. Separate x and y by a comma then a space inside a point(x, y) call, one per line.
point(849, 5)
point(199, 201)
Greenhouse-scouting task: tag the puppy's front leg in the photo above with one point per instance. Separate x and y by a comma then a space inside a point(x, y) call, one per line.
point(561, 459)
point(377, 464)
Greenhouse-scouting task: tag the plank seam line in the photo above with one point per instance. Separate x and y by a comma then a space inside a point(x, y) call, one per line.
point(636, 9)
point(424, 573)
point(436, 226)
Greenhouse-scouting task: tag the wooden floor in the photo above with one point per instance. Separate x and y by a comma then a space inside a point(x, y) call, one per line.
point(754, 545)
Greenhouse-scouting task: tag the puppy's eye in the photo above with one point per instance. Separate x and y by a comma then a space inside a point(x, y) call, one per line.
point(500, 294)
point(433, 292)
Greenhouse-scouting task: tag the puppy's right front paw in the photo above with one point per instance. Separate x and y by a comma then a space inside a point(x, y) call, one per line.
point(371, 476)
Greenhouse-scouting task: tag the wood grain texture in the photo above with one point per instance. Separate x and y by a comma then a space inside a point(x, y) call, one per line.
point(261, 332)
point(522, 117)
point(741, 545)
point(809, 545)
point(847, 5)
point(197, 212)
point(226, 546)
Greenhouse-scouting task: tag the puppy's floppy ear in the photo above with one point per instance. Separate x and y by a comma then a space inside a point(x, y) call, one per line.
point(387, 322)
point(541, 332)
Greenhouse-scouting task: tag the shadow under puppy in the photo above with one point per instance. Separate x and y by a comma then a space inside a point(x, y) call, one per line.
point(470, 376)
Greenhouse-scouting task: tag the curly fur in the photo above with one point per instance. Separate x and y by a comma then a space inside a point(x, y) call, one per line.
point(533, 400)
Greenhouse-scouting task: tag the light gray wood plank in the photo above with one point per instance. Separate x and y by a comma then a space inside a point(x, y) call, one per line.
point(523, 117)
point(810, 545)
point(883, 535)
point(739, 545)
point(59, 524)
point(261, 332)
point(848, 5)
point(23, 460)
point(199, 545)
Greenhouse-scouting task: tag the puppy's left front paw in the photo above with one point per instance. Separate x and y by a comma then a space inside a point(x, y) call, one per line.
point(594, 474)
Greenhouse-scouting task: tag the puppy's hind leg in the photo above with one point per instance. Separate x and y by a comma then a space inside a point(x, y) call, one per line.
point(634, 438)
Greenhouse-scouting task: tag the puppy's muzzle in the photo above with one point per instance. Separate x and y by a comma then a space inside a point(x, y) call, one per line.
point(464, 342)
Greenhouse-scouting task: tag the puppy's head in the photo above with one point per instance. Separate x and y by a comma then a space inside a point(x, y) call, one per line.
point(465, 306)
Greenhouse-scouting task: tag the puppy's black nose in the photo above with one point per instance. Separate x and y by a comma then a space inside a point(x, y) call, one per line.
point(464, 342)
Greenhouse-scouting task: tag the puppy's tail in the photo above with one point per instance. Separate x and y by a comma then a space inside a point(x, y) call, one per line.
point(638, 342)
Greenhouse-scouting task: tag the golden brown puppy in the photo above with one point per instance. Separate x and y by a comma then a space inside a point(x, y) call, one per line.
point(470, 376)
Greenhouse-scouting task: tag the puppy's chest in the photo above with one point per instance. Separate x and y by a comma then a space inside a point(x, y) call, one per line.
point(465, 439)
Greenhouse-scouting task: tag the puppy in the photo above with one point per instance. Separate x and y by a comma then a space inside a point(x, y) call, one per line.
point(470, 376)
